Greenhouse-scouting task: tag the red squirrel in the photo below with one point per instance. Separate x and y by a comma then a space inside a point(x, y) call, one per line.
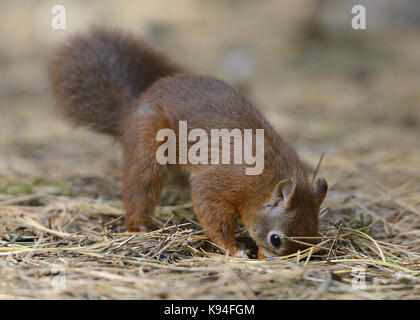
point(115, 84)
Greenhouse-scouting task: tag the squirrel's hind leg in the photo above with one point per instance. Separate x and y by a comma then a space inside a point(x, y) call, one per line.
point(143, 176)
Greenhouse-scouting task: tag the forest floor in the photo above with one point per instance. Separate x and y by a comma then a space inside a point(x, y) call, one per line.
point(61, 228)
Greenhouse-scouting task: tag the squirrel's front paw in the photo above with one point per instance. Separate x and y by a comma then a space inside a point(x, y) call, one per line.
point(241, 254)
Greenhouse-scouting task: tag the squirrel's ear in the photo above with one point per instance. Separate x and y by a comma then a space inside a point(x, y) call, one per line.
point(286, 191)
point(320, 190)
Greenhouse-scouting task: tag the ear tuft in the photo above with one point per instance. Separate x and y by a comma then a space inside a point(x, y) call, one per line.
point(320, 190)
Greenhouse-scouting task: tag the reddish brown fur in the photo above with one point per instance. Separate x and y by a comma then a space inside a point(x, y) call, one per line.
point(118, 86)
point(96, 77)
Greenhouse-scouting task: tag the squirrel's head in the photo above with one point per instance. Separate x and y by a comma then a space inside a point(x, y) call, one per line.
point(292, 211)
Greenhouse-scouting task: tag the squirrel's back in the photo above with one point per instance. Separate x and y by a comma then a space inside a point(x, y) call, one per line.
point(96, 77)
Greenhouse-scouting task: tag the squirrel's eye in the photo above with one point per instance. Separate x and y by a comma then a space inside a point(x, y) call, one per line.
point(275, 240)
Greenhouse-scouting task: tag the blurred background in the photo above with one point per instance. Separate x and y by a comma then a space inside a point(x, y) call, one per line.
point(352, 94)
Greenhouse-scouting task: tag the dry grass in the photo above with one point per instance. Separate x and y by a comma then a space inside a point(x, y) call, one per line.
point(75, 248)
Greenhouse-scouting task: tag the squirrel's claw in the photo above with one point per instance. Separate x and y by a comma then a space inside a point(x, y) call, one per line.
point(241, 254)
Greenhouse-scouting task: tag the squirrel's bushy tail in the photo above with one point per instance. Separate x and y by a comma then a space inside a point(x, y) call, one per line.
point(97, 76)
